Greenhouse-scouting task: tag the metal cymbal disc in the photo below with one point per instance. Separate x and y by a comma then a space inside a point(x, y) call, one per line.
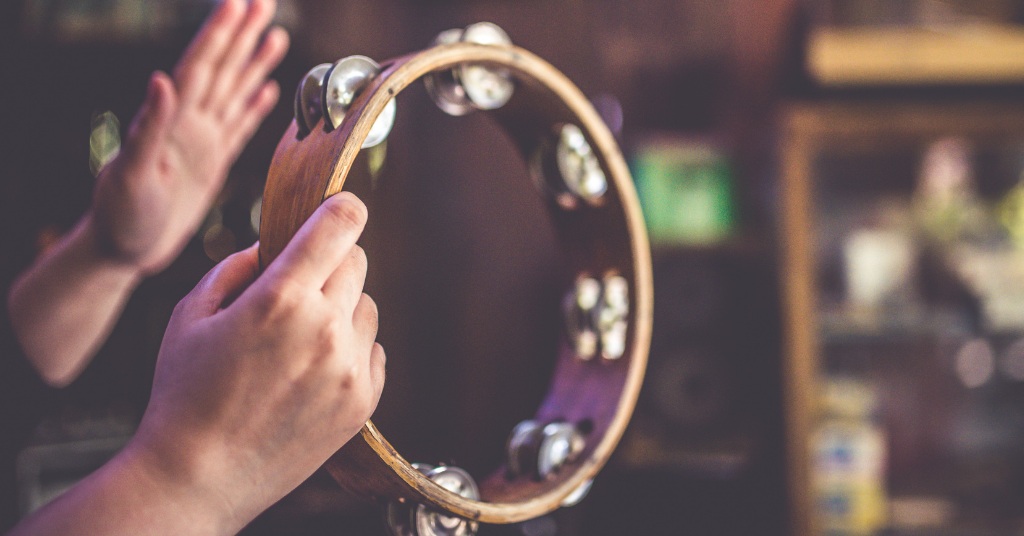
point(521, 448)
point(560, 445)
point(487, 87)
point(382, 126)
point(579, 166)
point(580, 312)
point(308, 108)
point(442, 86)
point(431, 523)
point(399, 517)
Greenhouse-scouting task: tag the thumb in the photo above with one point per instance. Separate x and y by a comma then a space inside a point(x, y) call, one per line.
point(154, 116)
point(224, 283)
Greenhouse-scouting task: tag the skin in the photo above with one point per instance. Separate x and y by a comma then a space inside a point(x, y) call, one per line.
point(259, 380)
point(152, 198)
point(260, 377)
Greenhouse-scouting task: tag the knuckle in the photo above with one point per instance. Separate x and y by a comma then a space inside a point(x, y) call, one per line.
point(280, 299)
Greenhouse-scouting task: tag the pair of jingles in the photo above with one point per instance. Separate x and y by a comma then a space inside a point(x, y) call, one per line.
point(577, 166)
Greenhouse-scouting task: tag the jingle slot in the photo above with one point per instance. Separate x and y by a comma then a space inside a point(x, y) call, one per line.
point(345, 80)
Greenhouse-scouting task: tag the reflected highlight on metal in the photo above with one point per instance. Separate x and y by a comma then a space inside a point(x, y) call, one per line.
point(308, 103)
point(560, 444)
point(442, 86)
point(471, 86)
point(488, 87)
point(344, 82)
point(580, 309)
point(404, 519)
point(579, 166)
point(612, 315)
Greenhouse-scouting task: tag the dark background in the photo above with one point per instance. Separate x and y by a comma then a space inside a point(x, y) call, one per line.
point(464, 266)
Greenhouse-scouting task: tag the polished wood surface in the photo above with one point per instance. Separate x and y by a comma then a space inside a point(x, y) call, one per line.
point(598, 240)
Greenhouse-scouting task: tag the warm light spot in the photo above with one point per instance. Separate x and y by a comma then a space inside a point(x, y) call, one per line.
point(975, 363)
point(104, 141)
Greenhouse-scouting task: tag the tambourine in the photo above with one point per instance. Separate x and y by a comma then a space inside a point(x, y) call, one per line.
point(576, 165)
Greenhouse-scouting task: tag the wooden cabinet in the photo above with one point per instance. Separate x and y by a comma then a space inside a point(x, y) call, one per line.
point(952, 445)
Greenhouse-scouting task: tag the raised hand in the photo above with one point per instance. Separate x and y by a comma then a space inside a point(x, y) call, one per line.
point(150, 200)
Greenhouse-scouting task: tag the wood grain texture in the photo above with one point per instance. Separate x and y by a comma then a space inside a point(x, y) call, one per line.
point(607, 238)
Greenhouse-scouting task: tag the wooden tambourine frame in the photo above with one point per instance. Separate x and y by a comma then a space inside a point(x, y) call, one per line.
point(598, 239)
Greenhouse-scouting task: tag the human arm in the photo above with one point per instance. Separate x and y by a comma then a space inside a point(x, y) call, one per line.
point(151, 199)
point(251, 394)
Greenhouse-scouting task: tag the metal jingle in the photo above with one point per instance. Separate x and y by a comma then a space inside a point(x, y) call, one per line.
point(613, 340)
point(561, 443)
point(486, 33)
point(344, 82)
point(308, 106)
point(397, 518)
point(487, 87)
point(581, 307)
point(521, 448)
point(398, 515)
point(615, 299)
point(611, 317)
point(442, 86)
point(381, 126)
point(578, 165)
point(578, 494)
point(428, 522)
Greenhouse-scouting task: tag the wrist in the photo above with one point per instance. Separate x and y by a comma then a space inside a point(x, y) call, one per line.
point(182, 485)
point(100, 249)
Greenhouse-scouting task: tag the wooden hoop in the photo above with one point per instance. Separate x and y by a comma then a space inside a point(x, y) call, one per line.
point(607, 238)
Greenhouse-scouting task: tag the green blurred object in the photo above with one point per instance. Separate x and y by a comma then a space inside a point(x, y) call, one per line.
point(686, 190)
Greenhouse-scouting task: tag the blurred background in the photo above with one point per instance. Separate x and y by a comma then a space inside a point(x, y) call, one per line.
point(832, 190)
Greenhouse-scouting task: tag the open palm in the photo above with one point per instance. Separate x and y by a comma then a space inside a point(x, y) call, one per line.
point(151, 199)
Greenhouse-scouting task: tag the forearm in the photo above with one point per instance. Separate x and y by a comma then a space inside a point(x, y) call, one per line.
point(63, 307)
point(130, 496)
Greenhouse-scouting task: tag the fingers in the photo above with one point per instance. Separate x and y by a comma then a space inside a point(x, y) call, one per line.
point(345, 285)
point(240, 51)
point(364, 317)
point(378, 360)
point(220, 70)
point(251, 78)
point(155, 115)
point(365, 321)
point(204, 54)
point(225, 282)
point(258, 107)
point(322, 243)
